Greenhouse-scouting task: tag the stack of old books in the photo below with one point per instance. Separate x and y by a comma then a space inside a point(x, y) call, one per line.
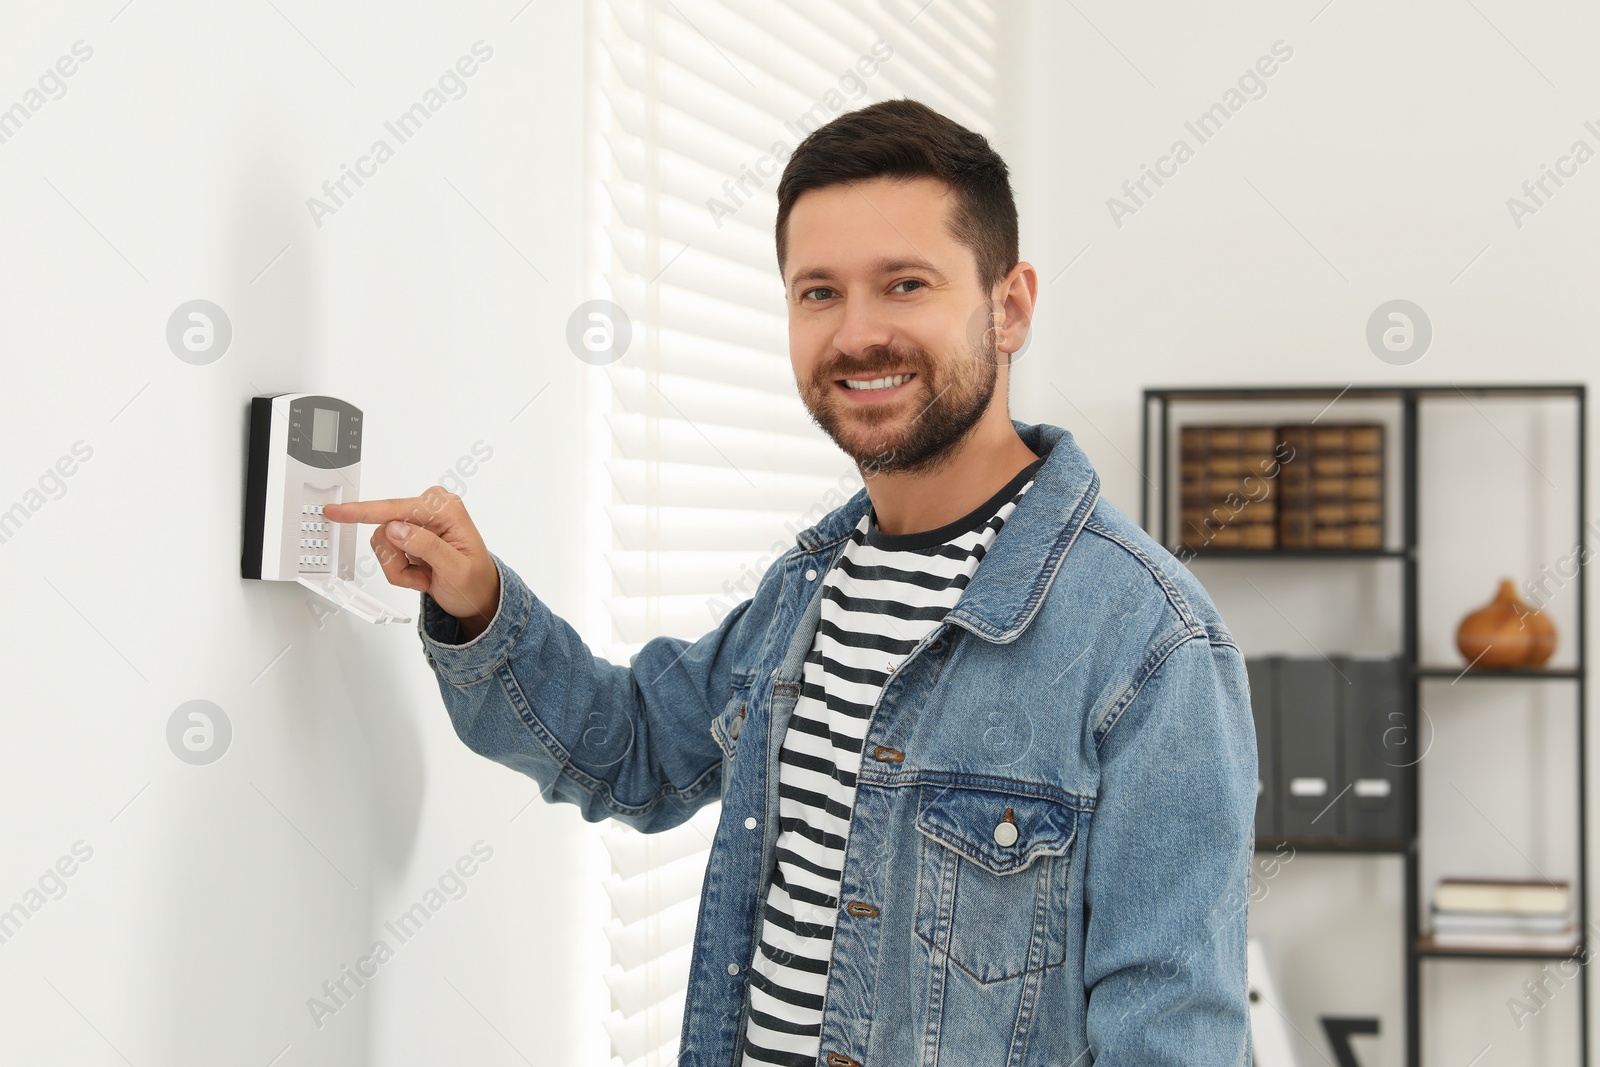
point(1497, 913)
point(1228, 486)
point(1293, 485)
point(1332, 487)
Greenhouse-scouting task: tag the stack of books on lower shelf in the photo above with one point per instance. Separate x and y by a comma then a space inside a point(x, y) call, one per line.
point(1496, 913)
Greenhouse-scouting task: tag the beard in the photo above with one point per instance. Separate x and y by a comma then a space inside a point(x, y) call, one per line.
point(916, 433)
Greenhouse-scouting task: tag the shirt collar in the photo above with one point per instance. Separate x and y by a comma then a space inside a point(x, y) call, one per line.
point(1007, 589)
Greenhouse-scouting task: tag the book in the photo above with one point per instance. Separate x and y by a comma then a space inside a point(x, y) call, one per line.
point(1294, 485)
point(1295, 497)
point(1227, 492)
point(1499, 922)
point(1332, 492)
point(1520, 896)
point(1364, 487)
point(1491, 939)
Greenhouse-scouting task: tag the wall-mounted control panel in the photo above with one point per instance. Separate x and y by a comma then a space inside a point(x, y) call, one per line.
point(305, 451)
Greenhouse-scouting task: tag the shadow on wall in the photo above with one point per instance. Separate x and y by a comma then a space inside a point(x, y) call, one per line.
point(275, 853)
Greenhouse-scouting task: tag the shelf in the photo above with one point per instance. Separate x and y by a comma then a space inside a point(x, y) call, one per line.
point(1330, 392)
point(1521, 673)
point(1334, 844)
point(1426, 946)
point(1291, 553)
point(1400, 406)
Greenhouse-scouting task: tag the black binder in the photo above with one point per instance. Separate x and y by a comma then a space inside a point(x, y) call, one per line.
point(1309, 775)
point(1377, 745)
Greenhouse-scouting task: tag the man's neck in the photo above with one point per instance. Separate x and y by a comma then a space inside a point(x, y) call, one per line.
point(989, 457)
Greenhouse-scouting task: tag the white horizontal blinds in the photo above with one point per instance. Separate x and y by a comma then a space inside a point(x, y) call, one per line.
point(655, 893)
point(714, 464)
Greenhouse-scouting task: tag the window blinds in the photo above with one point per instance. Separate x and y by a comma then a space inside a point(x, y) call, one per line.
point(709, 464)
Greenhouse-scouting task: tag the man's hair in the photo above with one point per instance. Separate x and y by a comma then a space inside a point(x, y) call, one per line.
point(907, 139)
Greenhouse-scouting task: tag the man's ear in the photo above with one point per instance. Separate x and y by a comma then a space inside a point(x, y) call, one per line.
point(1013, 297)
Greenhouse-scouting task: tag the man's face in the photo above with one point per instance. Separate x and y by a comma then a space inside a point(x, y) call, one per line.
point(877, 287)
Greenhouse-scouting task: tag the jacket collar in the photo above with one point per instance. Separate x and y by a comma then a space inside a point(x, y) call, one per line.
point(1006, 591)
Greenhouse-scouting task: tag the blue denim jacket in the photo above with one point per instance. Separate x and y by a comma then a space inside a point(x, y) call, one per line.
point(1084, 690)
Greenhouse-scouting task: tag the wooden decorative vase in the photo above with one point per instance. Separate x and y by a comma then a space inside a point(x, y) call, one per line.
point(1506, 632)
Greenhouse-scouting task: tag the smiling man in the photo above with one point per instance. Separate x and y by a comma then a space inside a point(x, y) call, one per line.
point(983, 747)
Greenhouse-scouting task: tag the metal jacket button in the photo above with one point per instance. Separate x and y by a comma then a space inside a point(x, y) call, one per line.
point(1005, 831)
point(888, 755)
point(738, 720)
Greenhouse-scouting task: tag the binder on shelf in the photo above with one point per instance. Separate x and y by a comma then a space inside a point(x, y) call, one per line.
point(1308, 746)
point(1262, 674)
point(1376, 743)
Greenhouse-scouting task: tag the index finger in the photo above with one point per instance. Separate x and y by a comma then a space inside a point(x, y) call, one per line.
point(374, 511)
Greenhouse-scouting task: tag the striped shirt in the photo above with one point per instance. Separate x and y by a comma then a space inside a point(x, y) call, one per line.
point(881, 597)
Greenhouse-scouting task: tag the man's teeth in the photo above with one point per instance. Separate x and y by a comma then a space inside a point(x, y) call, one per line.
point(877, 383)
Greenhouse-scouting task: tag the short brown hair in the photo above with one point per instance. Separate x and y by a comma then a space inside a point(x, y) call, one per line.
point(907, 139)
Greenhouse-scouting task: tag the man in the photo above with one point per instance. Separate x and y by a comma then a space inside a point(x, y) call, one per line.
point(984, 749)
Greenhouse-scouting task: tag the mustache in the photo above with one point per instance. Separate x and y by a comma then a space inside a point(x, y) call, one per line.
point(910, 361)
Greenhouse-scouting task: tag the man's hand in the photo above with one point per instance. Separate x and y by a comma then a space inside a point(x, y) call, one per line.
point(428, 543)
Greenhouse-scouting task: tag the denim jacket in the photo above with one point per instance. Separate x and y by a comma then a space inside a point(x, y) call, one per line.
point(1049, 852)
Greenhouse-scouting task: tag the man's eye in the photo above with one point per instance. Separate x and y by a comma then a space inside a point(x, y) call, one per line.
point(818, 289)
point(911, 281)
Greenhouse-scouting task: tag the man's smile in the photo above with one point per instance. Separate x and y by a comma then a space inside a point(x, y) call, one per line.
point(874, 390)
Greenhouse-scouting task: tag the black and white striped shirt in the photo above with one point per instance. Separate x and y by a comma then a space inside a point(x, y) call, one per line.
point(880, 598)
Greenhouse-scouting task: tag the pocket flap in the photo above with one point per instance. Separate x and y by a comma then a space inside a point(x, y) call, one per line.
point(728, 723)
point(966, 818)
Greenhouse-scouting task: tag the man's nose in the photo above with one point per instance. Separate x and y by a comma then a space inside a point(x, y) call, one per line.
point(862, 328)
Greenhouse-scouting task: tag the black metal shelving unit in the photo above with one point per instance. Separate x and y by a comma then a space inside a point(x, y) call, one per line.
point(1157, 425)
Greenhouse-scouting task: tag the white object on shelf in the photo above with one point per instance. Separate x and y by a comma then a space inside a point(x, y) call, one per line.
point(1269, 1030)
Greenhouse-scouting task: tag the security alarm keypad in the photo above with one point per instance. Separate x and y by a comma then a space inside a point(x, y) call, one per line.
point(305, 452)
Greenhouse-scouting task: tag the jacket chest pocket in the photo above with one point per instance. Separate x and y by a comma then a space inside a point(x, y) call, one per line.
point(992, 882)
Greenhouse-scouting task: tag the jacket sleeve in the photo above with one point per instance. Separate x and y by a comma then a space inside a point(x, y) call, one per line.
point(1168, 867)
point(631, 743)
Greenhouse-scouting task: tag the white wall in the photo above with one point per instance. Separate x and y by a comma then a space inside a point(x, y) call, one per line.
point(1376, 166)
point(217, 899)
